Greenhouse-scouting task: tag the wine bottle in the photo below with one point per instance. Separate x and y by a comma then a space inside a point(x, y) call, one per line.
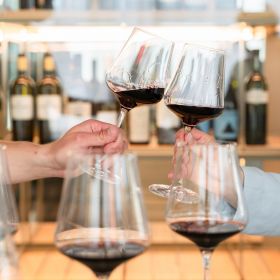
point(44, 4)
point(167, 124)
point(139, 125)
point(167, 4)
point(27, 4)
point(226, 126)
point(49, 101)
point(256, 104)
point(22, 92)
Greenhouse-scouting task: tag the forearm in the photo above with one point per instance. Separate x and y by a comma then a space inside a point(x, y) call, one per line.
point(28, 161)
point(262, 196)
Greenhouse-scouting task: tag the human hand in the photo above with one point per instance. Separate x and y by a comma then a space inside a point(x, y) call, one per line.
point(89, 137)
point(195, 136)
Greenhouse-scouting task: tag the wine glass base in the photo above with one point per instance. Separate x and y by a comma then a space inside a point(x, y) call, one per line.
point(182, 194)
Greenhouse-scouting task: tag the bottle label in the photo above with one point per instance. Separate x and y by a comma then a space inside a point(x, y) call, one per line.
point(79, 108)
point(48, 106)
point(22, 107)
point(165, 118)
point(257, 96)
point(226, 126)
point(107, 116)
point(139, 124)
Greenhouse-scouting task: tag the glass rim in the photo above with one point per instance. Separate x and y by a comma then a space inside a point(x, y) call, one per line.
point(126, 154)
point(204, 47)
point(219, 143)
point(137, 28)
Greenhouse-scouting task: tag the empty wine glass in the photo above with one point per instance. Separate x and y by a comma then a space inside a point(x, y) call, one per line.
point(102, 223)
point(212, 171)
point(6, 193)
point(195, 93)
point(9, 269)
point(139, 74)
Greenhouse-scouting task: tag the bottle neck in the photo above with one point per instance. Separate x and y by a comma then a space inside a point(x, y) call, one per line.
point(49, 73)
point(256, 64)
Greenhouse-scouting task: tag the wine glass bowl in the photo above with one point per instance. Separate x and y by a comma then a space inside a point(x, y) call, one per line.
point(212, 171)
point(195, 94)
point(196, 91)
point(102, 223)
point(139, 74)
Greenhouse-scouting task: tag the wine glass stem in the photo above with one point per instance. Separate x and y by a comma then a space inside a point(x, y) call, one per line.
point(187, 130)
point(121, 116)
point(206, 257)
point(103, 276)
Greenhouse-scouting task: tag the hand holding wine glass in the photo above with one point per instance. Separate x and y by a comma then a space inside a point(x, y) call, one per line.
point(138, 76)
point(212, 172)
point(101, 222)
point(195, 94)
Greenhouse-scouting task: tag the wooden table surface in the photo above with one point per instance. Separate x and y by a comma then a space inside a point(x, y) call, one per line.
point(170, 257)
point(173, 263)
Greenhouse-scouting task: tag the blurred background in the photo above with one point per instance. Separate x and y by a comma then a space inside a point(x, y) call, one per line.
point(77, 41)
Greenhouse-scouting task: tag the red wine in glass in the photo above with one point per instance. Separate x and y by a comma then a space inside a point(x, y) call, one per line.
point(131, 98)
point(206, 234)
point(192, 115)
point(103, 257)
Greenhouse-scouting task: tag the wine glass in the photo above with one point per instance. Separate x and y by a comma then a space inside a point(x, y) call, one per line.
point(139, 74)
point(213, 172)
point(6, 193)
point(195, 93)
point(102, 223)
point(9, 269)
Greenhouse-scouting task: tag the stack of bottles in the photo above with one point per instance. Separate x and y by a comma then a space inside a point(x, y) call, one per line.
point(47, 109)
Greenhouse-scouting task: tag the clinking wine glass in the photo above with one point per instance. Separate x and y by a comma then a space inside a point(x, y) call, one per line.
point(139, 74)
point(213, 172)
point(195, 94)
point(7, 196)
point(102, 222)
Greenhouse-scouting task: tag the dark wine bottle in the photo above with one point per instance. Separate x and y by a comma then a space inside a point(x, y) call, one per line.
point(226, 126)
point(27, 4)
point(44, 4)
point(256, 104)
point(22, 92)
point(49, 101)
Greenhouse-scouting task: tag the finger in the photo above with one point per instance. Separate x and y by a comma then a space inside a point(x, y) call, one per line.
point(180, 134)
point(201, 137)
point(119, 146)
point(97, 139)
point(91, 126)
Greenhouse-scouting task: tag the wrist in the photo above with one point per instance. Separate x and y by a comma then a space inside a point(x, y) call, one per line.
point(47, 161)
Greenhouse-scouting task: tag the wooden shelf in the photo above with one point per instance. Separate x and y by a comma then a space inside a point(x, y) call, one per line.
point(269, 151)
point(107, 17)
